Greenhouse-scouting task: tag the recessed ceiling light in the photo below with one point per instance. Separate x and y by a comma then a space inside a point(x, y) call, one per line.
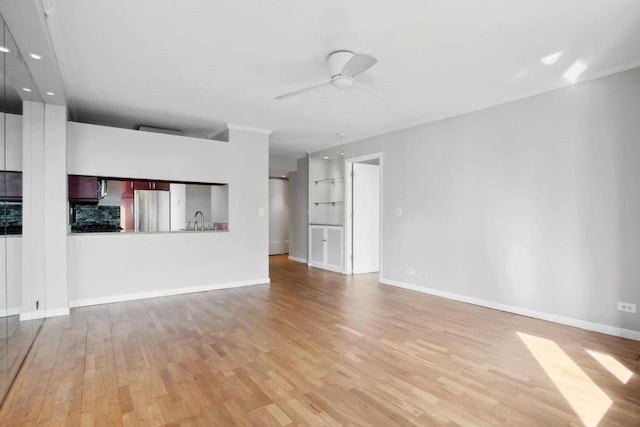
point(4, 49)
point(572, 74)
point(551, 59)
point(26, 89)
point(35, 56)
point(284, 176)
point(326, 157)
point(50, 93)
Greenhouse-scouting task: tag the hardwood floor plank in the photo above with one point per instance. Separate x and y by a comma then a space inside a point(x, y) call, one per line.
point(318, 348)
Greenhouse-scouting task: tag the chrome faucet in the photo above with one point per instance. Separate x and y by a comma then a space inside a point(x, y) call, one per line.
point(196, 220)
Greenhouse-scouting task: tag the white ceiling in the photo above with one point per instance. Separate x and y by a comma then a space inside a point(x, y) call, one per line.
point(198, 64)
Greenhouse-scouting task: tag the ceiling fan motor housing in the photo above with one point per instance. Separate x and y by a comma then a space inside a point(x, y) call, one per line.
point(337, 61)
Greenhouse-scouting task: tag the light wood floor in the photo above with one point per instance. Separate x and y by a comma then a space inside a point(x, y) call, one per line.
point(319, 348)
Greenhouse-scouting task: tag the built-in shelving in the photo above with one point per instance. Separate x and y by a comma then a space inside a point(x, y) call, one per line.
point(328, 203)
point(326, 213)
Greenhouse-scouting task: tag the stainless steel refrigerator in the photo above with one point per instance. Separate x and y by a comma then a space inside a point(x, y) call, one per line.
point(152, 210)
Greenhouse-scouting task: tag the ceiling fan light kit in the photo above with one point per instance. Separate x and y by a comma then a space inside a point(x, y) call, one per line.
point(342, 82)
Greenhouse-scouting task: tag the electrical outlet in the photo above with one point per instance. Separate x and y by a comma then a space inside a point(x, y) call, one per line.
point(398, 211)
point(410, 272)
point(627, 306)
point(260, 211)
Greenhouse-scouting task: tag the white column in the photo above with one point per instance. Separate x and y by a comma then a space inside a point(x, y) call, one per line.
point(32, 211)
point(56, 211)
point(44, 195)
point(255, 186)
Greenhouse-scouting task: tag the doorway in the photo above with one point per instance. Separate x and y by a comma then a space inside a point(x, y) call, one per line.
point(278, 216)
point(363, 214)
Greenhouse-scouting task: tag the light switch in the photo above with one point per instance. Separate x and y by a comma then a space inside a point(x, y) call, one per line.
point(260, 211)
point(398, 211)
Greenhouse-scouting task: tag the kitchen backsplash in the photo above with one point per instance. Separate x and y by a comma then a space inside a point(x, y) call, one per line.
point(11, 218)
point(11, 213)
point(97, 215)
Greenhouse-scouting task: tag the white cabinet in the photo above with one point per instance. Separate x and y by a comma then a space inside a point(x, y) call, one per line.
point(325, 247)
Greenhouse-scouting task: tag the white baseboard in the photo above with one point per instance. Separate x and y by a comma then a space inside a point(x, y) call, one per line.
point(32, 315)
point(165, 292)
point(326, 267)
point(12, 311)
point(41, 314)
point(569, 321)
point(54, 312)
point(296, 259)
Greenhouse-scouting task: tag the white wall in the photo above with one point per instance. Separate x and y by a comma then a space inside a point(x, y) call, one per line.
point(10, 275)
point(55, 211)
point(533, 205)
point(298, 205)
point(178, 206)
point(33, 211)
point(154, 264)
point(281, 166)
point(220, 203)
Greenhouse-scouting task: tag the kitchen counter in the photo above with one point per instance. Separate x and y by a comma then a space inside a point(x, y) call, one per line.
point(129, 232)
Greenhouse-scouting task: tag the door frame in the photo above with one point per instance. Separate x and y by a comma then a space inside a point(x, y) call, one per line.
point(348, 204)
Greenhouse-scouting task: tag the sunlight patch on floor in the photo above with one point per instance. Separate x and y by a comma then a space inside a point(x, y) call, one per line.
point(616, 368)
point(584, 396)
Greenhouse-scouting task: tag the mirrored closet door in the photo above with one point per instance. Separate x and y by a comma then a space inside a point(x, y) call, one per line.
point(19, 98)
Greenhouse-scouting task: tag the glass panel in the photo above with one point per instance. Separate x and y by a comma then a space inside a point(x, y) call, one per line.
point(22, 111)
point(4, 303)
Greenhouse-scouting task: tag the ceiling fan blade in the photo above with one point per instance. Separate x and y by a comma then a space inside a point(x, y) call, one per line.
point(301, 91)
point(358, 63)
point(372, 92)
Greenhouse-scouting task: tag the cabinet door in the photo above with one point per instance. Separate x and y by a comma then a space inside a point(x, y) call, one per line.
point(83, 188)
point(10, 186)
point(140, 184)
point(161, 185)
point(317, 246)
point(334, 248)
point(126, 213)
point(126, 189)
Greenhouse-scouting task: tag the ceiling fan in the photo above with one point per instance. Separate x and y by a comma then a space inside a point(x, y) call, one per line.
point(344, 66)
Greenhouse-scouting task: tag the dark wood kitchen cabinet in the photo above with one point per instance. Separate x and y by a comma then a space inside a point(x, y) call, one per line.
point(128, 187)
point(150, 185)
point(161, 185)
point(10, 186)
point(83, 189)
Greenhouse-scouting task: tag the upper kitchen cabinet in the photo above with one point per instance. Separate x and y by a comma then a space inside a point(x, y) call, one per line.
point(127, 188)
point(150, 185)
point(83, 189)
point(11, 186)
